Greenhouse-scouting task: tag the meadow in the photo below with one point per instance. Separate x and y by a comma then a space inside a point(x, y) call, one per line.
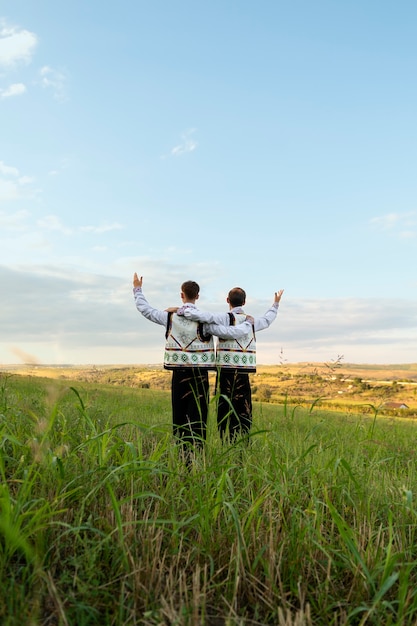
point(311, 522)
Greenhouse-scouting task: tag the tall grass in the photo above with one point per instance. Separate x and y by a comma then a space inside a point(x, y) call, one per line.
point(101, 523)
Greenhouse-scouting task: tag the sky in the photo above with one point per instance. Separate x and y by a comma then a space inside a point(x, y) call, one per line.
point(268, 145)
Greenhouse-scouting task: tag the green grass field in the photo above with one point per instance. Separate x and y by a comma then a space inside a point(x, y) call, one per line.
point(312, 523)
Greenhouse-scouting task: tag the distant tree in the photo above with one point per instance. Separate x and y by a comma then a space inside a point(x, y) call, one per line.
point(264, 394)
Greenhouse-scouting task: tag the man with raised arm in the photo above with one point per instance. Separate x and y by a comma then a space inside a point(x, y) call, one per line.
point(189, 353)
point(235, 360)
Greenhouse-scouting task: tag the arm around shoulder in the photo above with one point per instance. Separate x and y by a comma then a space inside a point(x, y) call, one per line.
point(205, 317)
point(229, 332)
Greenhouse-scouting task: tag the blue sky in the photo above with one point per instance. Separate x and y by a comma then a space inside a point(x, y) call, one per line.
point(264, 145)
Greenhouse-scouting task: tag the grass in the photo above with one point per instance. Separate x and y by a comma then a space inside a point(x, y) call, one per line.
point(102, 524)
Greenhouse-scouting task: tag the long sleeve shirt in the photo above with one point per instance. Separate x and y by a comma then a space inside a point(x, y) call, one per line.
point(221, 329)
point(212, 319)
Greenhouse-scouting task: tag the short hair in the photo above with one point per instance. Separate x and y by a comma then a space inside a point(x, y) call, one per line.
point(190, 289)
point(237, 296)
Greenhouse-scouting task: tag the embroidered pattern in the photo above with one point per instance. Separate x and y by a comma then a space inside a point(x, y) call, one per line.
point(237, 353)
point(186, 345)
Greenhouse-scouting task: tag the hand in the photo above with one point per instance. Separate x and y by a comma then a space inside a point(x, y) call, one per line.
point(278, 296)
point(172, 309)
point(137, 282)
point(250, 319)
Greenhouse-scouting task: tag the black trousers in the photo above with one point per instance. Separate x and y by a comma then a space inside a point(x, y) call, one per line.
point(234, 407)
point(189, 395)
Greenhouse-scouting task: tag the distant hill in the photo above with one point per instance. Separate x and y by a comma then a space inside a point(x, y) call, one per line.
point(334, 385)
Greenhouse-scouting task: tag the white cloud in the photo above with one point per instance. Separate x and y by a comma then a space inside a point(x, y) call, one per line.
point(17, 89)
point(25, 180)
point(8, 190)
point(63, 165)
point(386, 222)
point(52, 222)
point(188, 144)
point(16, 45)
point(7, 170)
point(53, 79)
point(12, 183)
point(14, 221)
point(399, 224)
point(89, 314)
point(104, 228)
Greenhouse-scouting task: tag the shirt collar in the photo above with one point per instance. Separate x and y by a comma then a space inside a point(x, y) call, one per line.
point(186, 305)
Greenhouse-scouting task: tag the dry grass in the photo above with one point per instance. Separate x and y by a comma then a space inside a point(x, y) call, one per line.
point(338, 385)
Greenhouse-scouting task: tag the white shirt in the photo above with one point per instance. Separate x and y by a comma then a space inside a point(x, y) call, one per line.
point(220, 329)
point(222, 319)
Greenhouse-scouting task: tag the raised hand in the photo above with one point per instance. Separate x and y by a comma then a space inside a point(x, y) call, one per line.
point(278, 295)
point(137, 282)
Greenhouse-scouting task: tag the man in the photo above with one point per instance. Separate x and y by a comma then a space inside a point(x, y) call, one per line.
point(189, 353)
point(235, 359)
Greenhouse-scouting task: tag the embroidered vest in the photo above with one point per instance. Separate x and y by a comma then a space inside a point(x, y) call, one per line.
point(186, 345)
point(237, 353)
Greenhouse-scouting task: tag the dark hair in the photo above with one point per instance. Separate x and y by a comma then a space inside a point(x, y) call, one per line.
point(237, 296)
point(190, 289)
